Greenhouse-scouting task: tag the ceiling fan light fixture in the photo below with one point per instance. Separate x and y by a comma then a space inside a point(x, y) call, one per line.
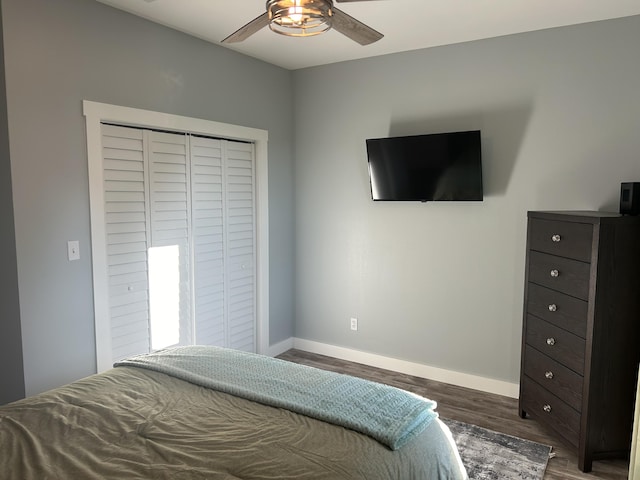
point(299, 18)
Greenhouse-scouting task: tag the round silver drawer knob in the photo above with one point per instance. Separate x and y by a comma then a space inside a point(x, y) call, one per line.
point(556, 238)
point(553, 307)
point(547, 408)
point(548, 375)
point(554, 273)
point(551, 341)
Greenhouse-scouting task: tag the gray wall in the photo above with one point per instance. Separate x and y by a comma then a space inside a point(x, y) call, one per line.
point(442, 283)
point(11, 372)
point(59, 53)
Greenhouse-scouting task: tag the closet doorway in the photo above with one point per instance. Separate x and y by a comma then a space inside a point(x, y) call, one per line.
point(179, 232)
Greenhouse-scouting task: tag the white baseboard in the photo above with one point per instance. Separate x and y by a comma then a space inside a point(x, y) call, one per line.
point(280, 347)
point(475, 382)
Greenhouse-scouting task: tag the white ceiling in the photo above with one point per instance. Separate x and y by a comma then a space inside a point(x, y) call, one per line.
point(406, 24)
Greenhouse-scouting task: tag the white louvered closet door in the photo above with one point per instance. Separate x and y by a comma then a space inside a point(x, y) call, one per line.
point(170, 228)
point(189, 201)
point(223, 207)
point(207, 187)
point(126, 231)
point(240, 245)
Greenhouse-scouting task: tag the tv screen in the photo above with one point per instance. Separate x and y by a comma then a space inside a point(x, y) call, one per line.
point(436, 167)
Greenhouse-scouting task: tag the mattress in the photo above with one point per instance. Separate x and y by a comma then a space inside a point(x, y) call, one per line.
point(133, 423)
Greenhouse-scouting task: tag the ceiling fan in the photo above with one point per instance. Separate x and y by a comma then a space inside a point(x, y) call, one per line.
point(305, 18)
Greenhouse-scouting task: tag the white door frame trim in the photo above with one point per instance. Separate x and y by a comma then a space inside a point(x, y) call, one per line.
point(96, 113)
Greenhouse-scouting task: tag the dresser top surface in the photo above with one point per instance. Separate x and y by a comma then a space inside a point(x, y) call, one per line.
point(585, 216)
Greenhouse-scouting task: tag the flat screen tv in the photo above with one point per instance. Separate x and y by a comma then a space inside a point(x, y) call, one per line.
point(424, 168)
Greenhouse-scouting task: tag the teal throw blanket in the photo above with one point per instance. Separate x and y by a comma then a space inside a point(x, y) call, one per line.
point(388, 414)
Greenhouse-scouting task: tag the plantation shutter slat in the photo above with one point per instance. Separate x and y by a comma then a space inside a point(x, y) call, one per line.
point(125, 210)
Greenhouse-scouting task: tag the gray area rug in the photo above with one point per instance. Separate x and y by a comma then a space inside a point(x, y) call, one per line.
point(490, 455)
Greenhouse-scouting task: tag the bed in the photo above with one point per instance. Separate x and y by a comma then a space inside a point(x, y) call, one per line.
point(212, 413)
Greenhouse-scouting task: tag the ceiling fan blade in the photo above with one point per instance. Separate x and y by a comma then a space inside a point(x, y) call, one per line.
point(249, 29)
point(354, 29)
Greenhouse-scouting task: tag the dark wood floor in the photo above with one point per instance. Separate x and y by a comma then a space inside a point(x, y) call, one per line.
point(490, 411)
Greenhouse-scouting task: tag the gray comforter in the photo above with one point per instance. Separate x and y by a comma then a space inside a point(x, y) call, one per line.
point(130, 423)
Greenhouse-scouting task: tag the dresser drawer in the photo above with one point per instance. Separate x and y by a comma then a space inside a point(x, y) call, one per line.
point(565, 239)
point(550, 410)
point(564, 311)
point(561, 274)
point(562, 346)
point(558, 379)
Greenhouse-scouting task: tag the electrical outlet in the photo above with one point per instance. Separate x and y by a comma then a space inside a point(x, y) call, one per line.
point(354, 323)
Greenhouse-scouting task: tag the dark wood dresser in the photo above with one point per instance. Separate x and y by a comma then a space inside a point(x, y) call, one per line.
point(581, 331)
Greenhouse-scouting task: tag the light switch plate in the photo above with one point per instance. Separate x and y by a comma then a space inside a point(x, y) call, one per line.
point(73, 250)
